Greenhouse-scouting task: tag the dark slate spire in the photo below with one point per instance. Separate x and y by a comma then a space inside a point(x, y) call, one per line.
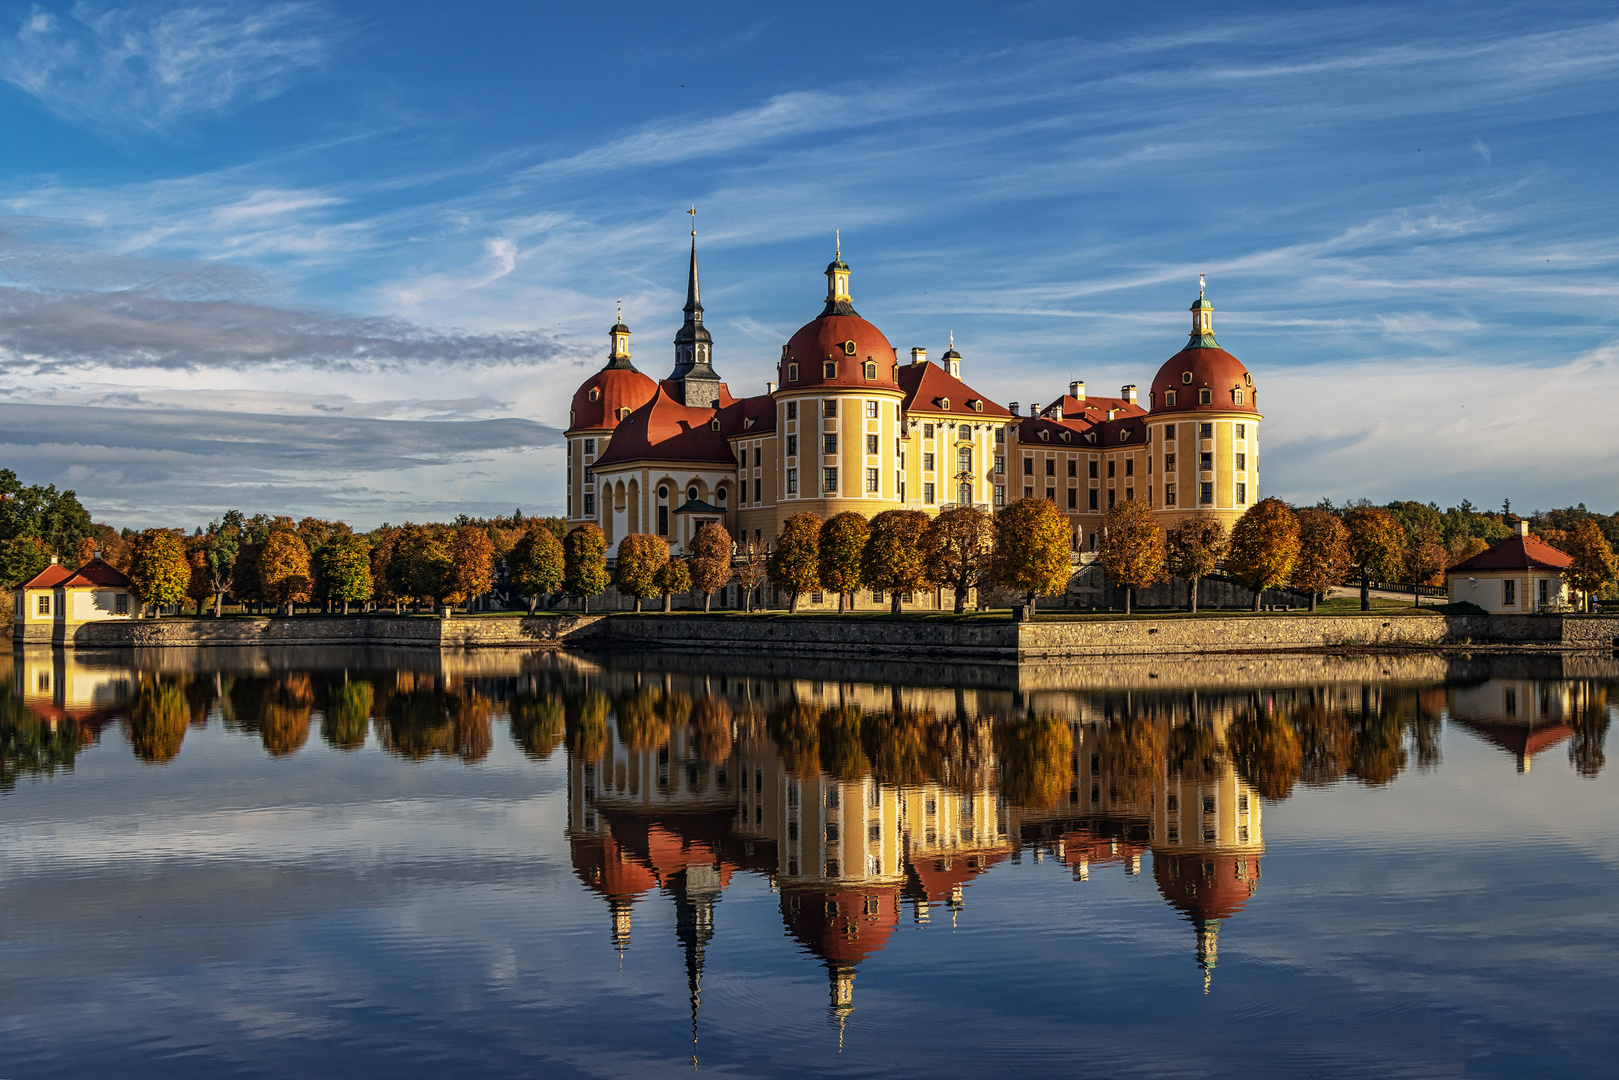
point(696, 893)
point(694, 349)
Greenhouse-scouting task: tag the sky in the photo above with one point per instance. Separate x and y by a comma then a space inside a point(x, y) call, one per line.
point(351, 260)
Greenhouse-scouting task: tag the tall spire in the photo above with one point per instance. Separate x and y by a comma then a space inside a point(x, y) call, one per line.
point(694, 361)
point(696, 891)
point(693, 307)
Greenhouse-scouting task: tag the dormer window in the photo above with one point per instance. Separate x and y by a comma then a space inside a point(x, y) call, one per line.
point(944, 403)
point(978, 406)
point(792, 372)
point(1045, 436)
point(1247, 379)
point(1067, 436)
point(1205, 397)
point(1169, 399)
point(1237, 395)
point(714, 423)
point(595, 393)
point(624, 412)
point(1186, 377)
point(1124, 435)
point(871, 371)
point(830, 369)
point(849, 347)
point(1090, 436)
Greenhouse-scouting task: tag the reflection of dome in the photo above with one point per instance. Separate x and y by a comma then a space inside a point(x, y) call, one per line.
point(1206, 888)
point(842, 927)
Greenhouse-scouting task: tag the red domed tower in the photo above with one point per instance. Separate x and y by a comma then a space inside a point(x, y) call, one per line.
point(838, 411)
point(599, 405)
point(1203, 429)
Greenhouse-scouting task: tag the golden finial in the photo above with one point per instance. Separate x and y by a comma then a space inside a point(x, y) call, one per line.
point(837, 235)
point(1200, 286)
point(621, 309)
point(693, 213)
point(952, 339)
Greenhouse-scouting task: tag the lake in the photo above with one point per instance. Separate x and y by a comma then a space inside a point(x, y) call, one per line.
point(397, 864)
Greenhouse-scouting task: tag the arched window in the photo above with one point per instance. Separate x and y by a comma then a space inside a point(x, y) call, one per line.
point(1236, 395)
point(792, 372)
point(871, 370)
point(830, 369)
point(1205, 397)
point(624, 412)
point(1169, 399)
point(691, 493)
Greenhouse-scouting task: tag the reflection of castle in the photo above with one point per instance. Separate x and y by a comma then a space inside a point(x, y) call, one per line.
point(1521, 716)
point(61, 687)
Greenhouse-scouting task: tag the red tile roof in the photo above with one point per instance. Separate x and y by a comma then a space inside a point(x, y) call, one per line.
point(927, 385)
point(1516, 553)
point(747, 418)
point(665, 430)
point(616, 388)
point(1213, 369)
point(48, 578)
point(847, 340)
point(96, 573)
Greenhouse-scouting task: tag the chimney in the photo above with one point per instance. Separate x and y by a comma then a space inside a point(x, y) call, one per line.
point(97, 554)
point(919, 356)
point(1012, 407)
point(1523, 527)
point(1129, 393)
point(1112, 414)
point(1077, 389)
point(955, 367)
point(53, 560)
point(770, 388)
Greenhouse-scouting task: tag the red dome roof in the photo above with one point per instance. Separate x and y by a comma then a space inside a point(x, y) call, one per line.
point(829, 338)
point(1206, 886)
point(834, 925)
point(1211, 369)
point(615, 389)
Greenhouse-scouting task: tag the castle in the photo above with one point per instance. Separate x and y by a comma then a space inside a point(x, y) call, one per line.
point(848, 425)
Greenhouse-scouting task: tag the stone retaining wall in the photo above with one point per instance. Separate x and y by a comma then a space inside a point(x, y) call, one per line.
point(483, 631)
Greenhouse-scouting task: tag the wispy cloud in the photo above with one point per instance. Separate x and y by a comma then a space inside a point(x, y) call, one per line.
point(149, 67)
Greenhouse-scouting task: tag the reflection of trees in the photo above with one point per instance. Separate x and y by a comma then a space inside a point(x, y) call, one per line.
point(1323, 744)
point(157, 720)
point(419, 724)
point(711, 723)
point(796, 728)
point(1195, 750)
point(538, 725)
point(1133, 751)
point(586, 716)
point(641, 725)
point(897, 745)
point(1266, 752)
point(28, 745)
point(1377, 748)
point(842, 754)
point(1590, 724)
point(277, 710)
point(1035, 755)
point(346, 713)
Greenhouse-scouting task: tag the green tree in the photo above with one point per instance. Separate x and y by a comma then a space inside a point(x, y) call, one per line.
point(422, 566)
point(1323, 553)
point(220, 546)
point(22, 558)
point(794, 567)
point(962, 542)
point(1264, 546)
point(345, 570)
point(843, 543)
point(535, 564)
point(1032, 549)
point(1376, 545)
point(1132, 549)
point(284, 576)
point(671, 578)
point(1194, 548)
point(346, 711)
point(40, 511)
point(898, 556)
point(157, 720)
point(635, 569)
point(584, 562)
point(158, 568)
point(709, 561)
point(1594, 564)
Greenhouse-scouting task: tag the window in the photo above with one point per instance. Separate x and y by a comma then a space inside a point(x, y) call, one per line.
point(590, 475)
point(758, 490)
point(1242, 431)
point(1169, 398)
point(1186, 377)
point(758, 456)
point(927, 431)
point(1093, 469)
point(1129, 466)
point(871, 480)
point(927, 494)
point(1000, 494)
point(964, 460)
point(792, 446)
point(944, 403)
point(1205, 431)
point(1051, 466)
point(720, 495)
point(1169, 463)
point(1129, 494)
point(1509, 595)
point(1205, 397)
point(1000, 435)
point(1073, 467)
point(1169, 494)
point(829, 479)
point(830, 369)
point(1242, 462)
point(829, 407)
point(1169, 430)
point(1236, 396)
point(792, 410)
point(1205, 462)
point(663, 491)
point(590, 503)
point(927, 462)
point(590, 446)
point(1051, 495)
point(792, 481)
point(44, 607)
point(1110, 497)
point(1205, 494)
point(876, 596)
point(1028, 493)
point(691, 493)
point(120, 604)
point(1093, 499)
point(1111, 466)
point(1028, 466)
point(1543, 584)
point(871, 444)
point(595, 394)
point(1242, 494)
point(1073, 498)
point(1000, 463)
point(831, 826)
point(663, 521)
point(871, 373)
point(829, 443)
point(742, 458)
point(871, 408)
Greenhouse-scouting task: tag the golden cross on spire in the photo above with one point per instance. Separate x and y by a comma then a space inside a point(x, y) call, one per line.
point(693, 213)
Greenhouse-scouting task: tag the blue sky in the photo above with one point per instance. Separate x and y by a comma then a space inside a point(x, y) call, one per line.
point(351, 260)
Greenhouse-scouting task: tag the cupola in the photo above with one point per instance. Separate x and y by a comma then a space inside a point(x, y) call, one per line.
point(838, 300)
point(1202, 320)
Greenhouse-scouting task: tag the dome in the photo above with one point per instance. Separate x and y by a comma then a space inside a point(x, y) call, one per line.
point(1206, 886)
point(601, 399)
point(846, 340)
point(1198, 368)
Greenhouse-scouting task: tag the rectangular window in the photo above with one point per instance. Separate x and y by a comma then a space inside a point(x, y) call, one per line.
point(927, 494)
point(1093, 473)
point(1051, 466)
point(590, 503)
point(1093, 498)
point(817, 597)
point(1111, 465)
point(758, 490)
point(1169, 463)
point(663, 521)
point(1509, 595)
point(1205, 431)
point(871, 480)
point(742, 458)
point(1028, 493)
point(1028, 466)
point(758, 456)
point(1000, 464)
point(120, 604)
point(1111, 493)
point(1543, 584)
point(1073, 467)
point(44, 605)
point(927, 462)
point(829, 443)
point(1129, 494)
point(1169, 494)
point(792, 410)
point(829, 479)
point(590, 446)
point(964, 460)
point(877, 596)
point(1242, 431)
point(1129, 466)
point(792, 481)
point(1242, 462)
point(871, 444)
point(792, 446)
point(829, 407)
point(1073, 498)
point(1000, 435)
point(1205, 494)
point(590, 475)
point(1205, 462)
point(927, 431)
point(1000, 494)
point(871, 410)
point(1169, 432)
point(1242, 494)
point(1051, 495)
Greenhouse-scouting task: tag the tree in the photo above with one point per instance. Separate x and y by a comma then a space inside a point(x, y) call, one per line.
point(897, 556)
point(584, 562)
point(1424, 557)
point(1376, 543)
point(750, 571)
point(962, 541)
point(709, 560)
point(21, 558)
point(245, 573)
point(794, 567)
point(472, 564)
point(1323, 553)
point(43, 513)
point(197, 584)
point(422, 566)
point(284, 571)
point(220, 546)
point(535, 564)
point(345, 570)
point(672, 577)
point(384, 587)
point(1031, 549)
point(158, 568)
point(635, 571)
point(1264, 546)
point(1466, 548)
point(1132, 550)
point(843, 542)
point(1594, 563)
point(1194, 549)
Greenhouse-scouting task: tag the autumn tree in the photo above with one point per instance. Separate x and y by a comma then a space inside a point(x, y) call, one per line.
point(472, 564)
point(197, 589)
point(794, 567)
point(220, 547)
point(158, 568)
point(897, 556)
point(535, 564)
point(1031, 549)
point(1193, 549)
point(1264, 546)
point(1424, 557)
point(843, 543)
point(1132, 549)
point(245, 576)
point(384, 587)
point(1376, 548)
point(584, 562)
point(1466, 548)
point(284, 571)
point(709, 561)
point(750, 570)
point(671, 578)
point(1594, 563)
point(635, 570)
point(1323, 553)
point(40, 512)
point(962, 542)
point(345, 570)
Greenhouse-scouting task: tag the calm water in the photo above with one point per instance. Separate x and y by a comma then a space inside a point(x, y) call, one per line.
point(395, 864)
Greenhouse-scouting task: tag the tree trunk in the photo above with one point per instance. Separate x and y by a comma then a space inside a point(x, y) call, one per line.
point(638, 605)
point(895, 602)
point(841, 601)
point(219, 602)
point(1193, 583)
point(533, 602)
point(1313, 598)
point(1416, 593)
point(1030, 608)
point(345, 606)
point(668, 602)
point(1129, 599)
point(961, 601)
point(1259, 594)
point(792, 604)
point(1365, 592)
point(585, 600)
point(708, 598)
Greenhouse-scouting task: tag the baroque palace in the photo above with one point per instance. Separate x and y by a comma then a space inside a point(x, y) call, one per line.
point(848, 425)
